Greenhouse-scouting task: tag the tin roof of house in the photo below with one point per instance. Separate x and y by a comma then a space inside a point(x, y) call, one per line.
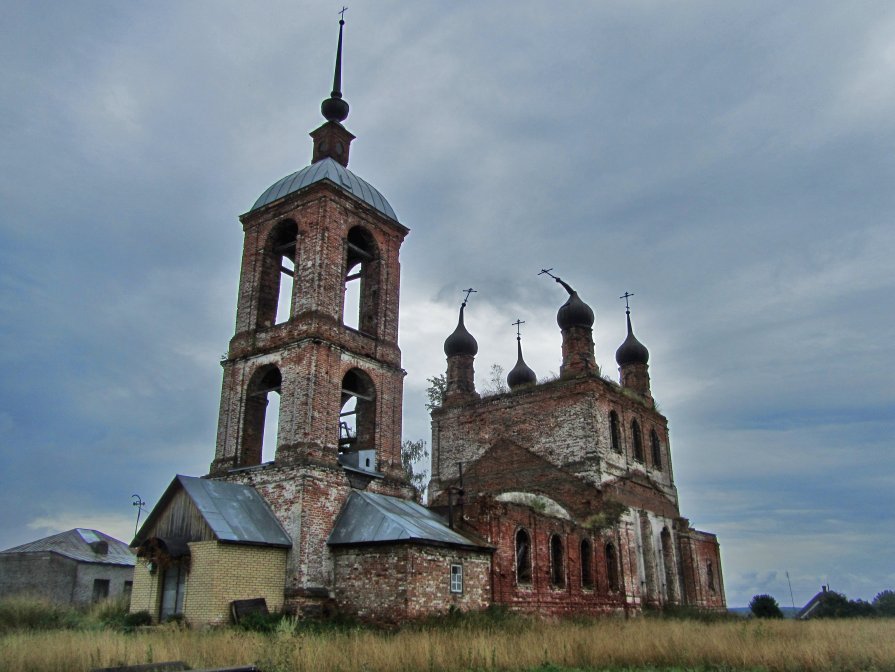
point(83, 545)
point(368, 518)
point(235, 513)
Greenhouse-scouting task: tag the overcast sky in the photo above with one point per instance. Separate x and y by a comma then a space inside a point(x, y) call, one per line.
point(732, 164)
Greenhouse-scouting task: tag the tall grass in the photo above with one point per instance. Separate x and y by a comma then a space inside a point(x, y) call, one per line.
point(599, 645)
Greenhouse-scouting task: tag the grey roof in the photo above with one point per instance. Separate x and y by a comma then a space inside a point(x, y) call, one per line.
point(369, 518)
point(76, 544)
point(332, 170)
point(234, 512)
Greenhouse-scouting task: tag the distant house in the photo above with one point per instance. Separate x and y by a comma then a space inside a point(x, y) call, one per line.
point(76, 567)
point(814, 604)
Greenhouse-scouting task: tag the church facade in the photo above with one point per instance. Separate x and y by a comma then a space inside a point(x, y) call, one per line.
point(540, 499)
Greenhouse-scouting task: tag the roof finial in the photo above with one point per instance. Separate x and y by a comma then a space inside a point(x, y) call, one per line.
point(468, 292)
point(521, 373)
point(334, 108)
point(626, 296)
point(546, 271)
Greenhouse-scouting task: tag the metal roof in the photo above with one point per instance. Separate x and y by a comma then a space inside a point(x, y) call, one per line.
point(368, 518)
point(75, 544)
point(235, 513)
point(332, 170)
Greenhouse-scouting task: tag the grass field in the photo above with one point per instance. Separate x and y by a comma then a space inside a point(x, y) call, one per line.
point(515, 644)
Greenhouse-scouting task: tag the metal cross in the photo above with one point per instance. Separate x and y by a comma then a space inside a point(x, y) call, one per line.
point(518, 323)
point(342, 13)
point(626, 296)
point(546, 271)
point(468, 292)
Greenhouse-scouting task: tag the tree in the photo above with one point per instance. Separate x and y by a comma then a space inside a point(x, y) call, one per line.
point(885, 603)
point(765, 606)
point(412, 453)
point(435, 391)
point(497, 383)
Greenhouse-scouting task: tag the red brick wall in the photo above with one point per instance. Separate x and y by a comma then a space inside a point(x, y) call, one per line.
point(399, 582)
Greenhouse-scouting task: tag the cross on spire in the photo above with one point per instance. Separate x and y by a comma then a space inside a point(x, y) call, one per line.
point(518, 324)
point(546, 271)
point(342, 13)
point(468, 292)
point(626, 296)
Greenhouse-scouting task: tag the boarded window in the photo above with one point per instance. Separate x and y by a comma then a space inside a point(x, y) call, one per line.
point(523, 557)
point(456, 578)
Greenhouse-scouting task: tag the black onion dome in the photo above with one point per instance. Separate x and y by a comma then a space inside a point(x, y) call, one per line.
point(575, 313)
point(631, 351)
point(521, 373)
point(461, 342)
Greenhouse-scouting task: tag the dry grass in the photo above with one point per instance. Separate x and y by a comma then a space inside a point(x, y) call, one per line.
point(607, 644)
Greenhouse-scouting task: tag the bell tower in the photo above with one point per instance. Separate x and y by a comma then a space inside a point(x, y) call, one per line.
point(329, 345)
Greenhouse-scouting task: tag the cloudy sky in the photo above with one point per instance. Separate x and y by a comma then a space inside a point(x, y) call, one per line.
point(731, 164)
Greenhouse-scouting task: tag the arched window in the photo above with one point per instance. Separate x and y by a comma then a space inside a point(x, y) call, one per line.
point(523, 557)
point(656, 449)
point(357, 421)
point(615, 440)
point(259, 436)
point(557, 570)
point(587, 562)
point(277, 275)
point(668, 561)
point(637, 440)
point(612, 568)
point(360, 308)
point(710, 575)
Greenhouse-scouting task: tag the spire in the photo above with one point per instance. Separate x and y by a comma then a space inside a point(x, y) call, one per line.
point(332, 140)
point(631, 351)
point(334, 108)
point(521, 373)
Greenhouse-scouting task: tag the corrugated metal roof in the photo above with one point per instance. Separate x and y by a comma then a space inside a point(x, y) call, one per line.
point(326, 169)
point(235, 512)
point(75, 544)
point(369, 518)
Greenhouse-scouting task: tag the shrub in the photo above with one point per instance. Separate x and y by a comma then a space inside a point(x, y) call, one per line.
point(137, 619)
point(885, 603)
point(765, 606)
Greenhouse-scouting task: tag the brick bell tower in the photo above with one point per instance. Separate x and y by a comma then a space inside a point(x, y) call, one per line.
point(328, 347)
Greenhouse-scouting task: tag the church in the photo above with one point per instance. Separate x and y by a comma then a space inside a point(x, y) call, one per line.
point(553, 497)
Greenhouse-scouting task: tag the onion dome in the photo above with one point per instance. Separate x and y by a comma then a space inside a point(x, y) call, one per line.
point(521, 373)
point(631, 351)
point(574, 313)
point(335, 108)
point(461, 342)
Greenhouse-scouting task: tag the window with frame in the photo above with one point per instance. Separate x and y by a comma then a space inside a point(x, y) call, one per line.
point(615, 441)
point(656, 449)
point(637, 440)
point(523, 557)
point(456, 578)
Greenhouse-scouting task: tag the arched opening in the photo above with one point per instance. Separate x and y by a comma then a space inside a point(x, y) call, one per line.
point(278, 274)
point(710, 575)
point(612, 568)
point(357, 422)
point(523, 557)
point(614, 432)
point(258, 441)
point(557, 569)
point(656, 449)
point(360, 309)
point(637, 440)
point(587, 561)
